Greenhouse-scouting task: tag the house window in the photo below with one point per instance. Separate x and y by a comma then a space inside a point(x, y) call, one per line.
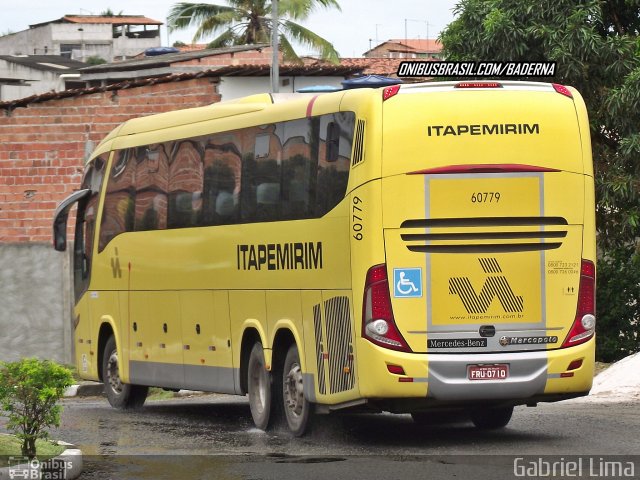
point(66, 49)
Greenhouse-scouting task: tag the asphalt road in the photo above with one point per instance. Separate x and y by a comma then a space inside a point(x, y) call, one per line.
point(213, 437)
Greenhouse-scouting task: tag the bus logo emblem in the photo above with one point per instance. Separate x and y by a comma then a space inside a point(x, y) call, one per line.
point(407, 282)
point(496, 285)
point(115, 266)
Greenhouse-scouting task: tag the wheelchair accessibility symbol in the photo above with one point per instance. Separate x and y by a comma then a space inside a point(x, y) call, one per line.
point(407, 282)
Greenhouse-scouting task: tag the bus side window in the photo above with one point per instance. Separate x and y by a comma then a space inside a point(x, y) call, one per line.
point(297, 171)
point(186, 180)
point(222, 171)
point(262, 146)
point(334, 164)
point(119, 203)
point(85, 226)
point(332, 150)
point(152, 178)
point(266, 175)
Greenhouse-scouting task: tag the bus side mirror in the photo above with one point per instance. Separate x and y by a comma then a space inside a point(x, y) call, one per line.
point(60, 232)
point(61, 216)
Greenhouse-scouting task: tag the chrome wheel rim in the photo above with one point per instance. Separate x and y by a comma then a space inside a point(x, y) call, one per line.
point(258, 390)
point(294, 391)
point(113, 374)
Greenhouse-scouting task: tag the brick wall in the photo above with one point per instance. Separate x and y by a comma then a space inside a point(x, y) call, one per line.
point(248, 57)
point(43, 146)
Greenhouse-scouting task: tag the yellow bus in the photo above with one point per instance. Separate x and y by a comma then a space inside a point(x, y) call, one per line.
point(416, 248)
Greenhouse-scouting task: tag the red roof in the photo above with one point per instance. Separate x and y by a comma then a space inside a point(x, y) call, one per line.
point(116, 19)
point(420, 44)
point(192, 47)
point(377, 65)
point(321, 69)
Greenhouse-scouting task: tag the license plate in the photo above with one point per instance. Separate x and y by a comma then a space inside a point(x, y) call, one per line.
point(488, 372)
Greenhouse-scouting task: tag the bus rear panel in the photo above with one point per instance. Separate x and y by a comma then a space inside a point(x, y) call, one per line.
point(489, 247)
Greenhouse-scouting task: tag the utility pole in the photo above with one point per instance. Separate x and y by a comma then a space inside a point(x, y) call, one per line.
point(405, 28)
point(275, 67)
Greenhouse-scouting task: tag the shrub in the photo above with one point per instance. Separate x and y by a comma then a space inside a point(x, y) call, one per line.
point(95, 60)
point(29, 394)
point(618, 295)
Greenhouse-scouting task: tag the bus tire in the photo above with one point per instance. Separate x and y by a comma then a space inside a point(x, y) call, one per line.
point(120, 395)
point(491, 418)
point(259, 387)
point(297, 409)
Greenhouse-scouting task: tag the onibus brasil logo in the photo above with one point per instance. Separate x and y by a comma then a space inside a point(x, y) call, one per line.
point(495, 285)
point(34, 469)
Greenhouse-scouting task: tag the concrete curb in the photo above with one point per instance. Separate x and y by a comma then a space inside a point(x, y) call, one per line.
point(73, 462)
point(95, 389)
point(66, 466)
point(188, 393)
point(85, 389)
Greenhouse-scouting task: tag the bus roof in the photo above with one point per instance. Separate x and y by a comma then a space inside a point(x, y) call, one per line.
point(294, 105)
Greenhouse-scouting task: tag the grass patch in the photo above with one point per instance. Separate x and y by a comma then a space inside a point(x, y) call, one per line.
point(160, 394)
point(10, 446)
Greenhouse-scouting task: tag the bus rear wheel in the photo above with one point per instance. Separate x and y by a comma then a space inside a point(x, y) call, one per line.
point(120, 395)
point(491, 418)
point(259, 387)
point(297, 409)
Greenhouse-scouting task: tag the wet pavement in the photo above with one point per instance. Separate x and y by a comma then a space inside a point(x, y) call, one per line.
point(212, 436)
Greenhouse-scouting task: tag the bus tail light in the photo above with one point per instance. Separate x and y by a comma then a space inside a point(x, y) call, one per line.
point(388, 92)
point(562, 90)
point(378, 325)
point(584, 325)
point(483, 168)
point(478, 85)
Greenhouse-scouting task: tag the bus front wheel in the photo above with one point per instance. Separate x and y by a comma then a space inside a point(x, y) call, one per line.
point(491, 418)
point(297, 409)
point(120, 395)
point(259, 387)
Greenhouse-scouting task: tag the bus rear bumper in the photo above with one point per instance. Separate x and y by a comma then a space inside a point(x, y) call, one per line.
point(443, 378)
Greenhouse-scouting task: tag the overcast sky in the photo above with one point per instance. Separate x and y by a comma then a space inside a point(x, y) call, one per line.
point(351, 32)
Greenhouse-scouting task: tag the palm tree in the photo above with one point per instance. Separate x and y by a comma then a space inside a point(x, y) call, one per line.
point(246, 22)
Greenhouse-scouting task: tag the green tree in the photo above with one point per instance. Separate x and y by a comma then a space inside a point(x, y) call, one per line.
point(597, 49)
point(29, 394)
point(247, 22)
point(619, 290)
point(95, 60)
point(109, 13)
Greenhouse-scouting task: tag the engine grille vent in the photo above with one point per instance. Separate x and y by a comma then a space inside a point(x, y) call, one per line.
point(484, 235)
point(358, 144)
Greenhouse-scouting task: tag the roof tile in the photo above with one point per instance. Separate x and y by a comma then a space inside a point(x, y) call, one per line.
point(116, 19)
